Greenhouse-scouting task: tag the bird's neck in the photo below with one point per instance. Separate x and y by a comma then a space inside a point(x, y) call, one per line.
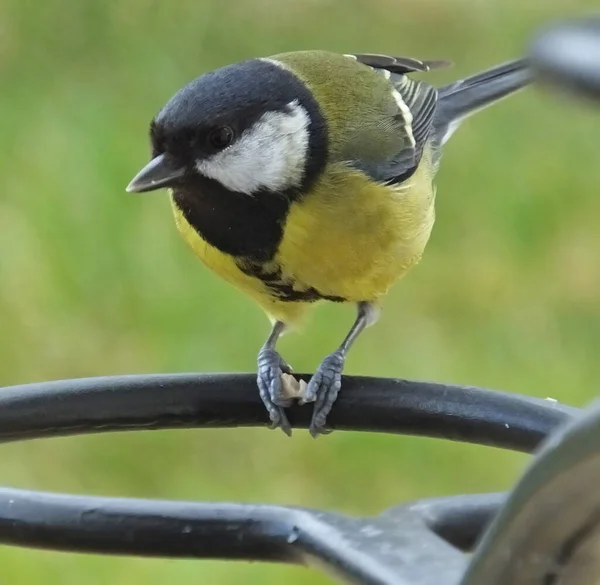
point(243, 226)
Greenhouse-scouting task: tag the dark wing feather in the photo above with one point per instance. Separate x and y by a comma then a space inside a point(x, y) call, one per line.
point(399, 65)
point(420, 99)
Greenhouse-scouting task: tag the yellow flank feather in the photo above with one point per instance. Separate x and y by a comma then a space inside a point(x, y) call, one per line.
point(356, 249)
point(353, 241)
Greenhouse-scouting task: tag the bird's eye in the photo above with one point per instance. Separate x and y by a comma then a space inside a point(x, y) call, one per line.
point(221, 137)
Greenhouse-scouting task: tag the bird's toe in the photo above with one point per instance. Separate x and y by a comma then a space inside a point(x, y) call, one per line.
point(323, 389)
point(273, 391)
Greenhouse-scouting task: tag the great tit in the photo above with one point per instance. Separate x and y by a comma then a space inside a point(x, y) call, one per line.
point(308, 176)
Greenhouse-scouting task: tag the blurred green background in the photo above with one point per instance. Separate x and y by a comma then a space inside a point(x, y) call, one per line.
point(94, 281)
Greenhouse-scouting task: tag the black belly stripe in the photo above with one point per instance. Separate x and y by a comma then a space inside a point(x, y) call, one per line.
point(281, 288)
point(248, 231)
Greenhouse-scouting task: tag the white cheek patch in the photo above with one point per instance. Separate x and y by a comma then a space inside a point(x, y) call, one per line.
point(271, 154)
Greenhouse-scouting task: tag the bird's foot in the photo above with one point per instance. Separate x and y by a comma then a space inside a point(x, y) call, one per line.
point(274, 388)
point(323, 389)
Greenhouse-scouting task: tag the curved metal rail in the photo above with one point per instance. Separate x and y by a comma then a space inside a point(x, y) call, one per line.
point(123, 403)
point(416, 543)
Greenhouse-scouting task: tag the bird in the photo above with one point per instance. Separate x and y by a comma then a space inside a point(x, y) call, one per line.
point(308, 176)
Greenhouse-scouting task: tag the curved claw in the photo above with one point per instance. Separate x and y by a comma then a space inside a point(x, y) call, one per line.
point(271, 366)
point(323, 389)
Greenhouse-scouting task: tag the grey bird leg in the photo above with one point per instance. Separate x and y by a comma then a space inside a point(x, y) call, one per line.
point(270, 368)
point(325, 384)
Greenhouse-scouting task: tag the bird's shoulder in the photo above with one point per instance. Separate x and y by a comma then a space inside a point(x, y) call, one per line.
point(417, 100)
point(379, 118)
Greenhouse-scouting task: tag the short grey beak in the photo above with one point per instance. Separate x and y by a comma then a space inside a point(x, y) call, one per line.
point(158, 173)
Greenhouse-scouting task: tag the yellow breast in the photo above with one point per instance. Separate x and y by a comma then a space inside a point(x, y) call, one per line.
point(348, 238)
point(354, 238)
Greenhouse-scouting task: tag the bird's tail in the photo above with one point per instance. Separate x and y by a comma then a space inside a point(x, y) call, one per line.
point(459, 100)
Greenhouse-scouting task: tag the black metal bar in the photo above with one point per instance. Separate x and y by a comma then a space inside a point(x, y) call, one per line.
point(567, 55)
point(153, 528)
point(460, 520)
point(396, 548)
point(120, 403)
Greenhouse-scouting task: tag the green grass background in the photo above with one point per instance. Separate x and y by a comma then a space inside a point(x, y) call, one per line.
point(95, 281)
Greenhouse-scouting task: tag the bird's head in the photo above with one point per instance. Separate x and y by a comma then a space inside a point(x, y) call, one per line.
point(252, 127)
